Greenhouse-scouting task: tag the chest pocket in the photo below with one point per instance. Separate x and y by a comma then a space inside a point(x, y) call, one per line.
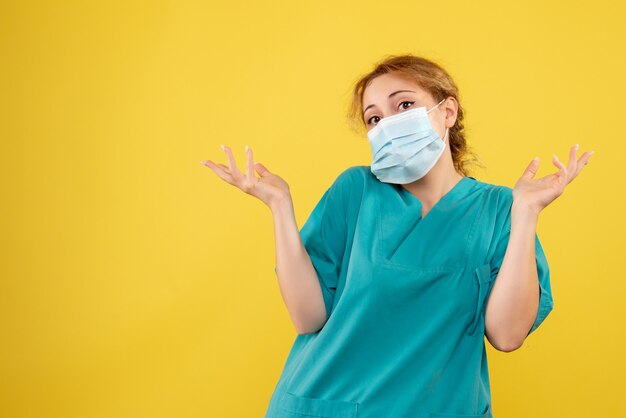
point(294, 406)
point(484, 281)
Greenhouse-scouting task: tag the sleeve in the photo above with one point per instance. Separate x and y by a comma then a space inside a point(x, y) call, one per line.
point(325, 235)
point(546, 303)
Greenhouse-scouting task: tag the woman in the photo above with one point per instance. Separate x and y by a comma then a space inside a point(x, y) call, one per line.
point(405, 265)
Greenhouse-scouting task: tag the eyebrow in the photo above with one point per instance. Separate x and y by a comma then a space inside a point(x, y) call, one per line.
point(390, 96)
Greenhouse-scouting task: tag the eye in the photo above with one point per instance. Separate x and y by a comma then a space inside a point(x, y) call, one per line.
point(369, 121)
point(401, 103)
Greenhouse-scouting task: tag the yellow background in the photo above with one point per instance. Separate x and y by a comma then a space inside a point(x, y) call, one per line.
point(136, 283)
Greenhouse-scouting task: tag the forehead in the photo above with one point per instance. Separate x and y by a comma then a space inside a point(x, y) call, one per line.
point(382, 86)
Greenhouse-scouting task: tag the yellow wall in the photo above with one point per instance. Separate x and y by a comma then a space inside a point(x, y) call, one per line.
point(135, 283)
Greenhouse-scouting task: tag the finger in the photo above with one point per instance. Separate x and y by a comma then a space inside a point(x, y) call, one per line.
point(531, 169)
point(583, 160)
point(562, 169)
point(231, 163)
point(208, 163)
point(250, 167)
point(571, 164)
point(220, 171)
point(225, 168)
point(262, 170)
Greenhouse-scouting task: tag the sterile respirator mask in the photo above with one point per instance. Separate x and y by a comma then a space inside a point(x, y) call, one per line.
point(405, 146)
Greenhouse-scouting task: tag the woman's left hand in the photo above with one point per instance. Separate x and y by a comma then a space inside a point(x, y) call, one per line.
point(536, 194)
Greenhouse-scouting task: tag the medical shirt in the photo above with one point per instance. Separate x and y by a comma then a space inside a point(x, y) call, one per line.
point(405, 298)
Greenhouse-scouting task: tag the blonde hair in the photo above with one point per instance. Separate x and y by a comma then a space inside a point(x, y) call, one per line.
point(435, 80)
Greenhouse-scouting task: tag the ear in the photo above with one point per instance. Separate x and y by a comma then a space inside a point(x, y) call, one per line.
point(451, 106)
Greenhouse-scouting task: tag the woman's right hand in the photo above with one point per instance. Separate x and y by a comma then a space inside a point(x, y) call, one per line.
point(269, 188)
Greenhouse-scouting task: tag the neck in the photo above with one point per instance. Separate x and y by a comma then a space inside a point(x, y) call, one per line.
point(437, 182)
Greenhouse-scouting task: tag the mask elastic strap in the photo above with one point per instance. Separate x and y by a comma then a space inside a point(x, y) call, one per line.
point(442, 100)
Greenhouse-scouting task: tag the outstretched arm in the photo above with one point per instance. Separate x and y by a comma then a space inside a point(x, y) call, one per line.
point(297, 278)
point(514, 300)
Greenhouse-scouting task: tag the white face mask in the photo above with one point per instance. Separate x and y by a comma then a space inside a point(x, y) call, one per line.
point(405, 146)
